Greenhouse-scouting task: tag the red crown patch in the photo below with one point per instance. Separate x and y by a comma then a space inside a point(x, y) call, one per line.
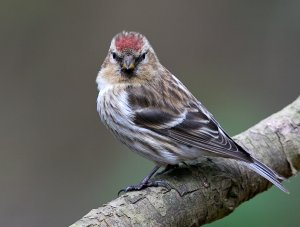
point(129, 41)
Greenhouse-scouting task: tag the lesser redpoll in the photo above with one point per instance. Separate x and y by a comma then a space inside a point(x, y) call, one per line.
point(155, 115)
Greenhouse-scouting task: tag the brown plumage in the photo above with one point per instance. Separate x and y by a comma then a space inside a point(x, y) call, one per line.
point(154, 114)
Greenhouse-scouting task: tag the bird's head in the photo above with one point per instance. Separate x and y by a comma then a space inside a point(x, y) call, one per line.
point(130, 57)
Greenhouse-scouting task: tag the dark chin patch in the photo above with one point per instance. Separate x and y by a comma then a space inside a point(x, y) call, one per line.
point(127, 73)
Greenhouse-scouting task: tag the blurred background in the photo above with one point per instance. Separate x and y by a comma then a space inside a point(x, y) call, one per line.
point(57, 161)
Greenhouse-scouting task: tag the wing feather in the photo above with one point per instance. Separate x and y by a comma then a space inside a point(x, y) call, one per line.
point(203, 134)
point(191, 124)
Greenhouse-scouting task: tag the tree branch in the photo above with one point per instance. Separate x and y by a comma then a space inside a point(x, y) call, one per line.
point(210, 188)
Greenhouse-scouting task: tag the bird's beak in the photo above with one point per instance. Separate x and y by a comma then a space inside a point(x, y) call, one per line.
point(128, 63)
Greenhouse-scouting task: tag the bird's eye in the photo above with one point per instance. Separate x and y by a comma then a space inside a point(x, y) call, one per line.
point(143, 56)
point(114, 55)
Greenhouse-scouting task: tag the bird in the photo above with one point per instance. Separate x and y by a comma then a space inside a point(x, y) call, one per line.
point(149, 110)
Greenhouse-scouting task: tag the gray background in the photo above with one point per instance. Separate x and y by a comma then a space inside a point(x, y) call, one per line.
point(240, 58)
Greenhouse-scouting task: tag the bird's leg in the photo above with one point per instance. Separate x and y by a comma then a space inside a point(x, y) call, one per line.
point(184, 163)
point(147, 183)
point(168, 168)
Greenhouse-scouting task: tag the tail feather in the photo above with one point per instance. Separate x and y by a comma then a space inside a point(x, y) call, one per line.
point(267, 173)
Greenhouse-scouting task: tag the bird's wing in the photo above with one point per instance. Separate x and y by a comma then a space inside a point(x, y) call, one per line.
point(170, 110)
point(190, 124)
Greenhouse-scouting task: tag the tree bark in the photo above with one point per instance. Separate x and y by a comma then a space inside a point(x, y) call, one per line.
point(209, 188)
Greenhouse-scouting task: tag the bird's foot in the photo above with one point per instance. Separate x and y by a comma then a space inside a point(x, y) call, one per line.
point(142, 185)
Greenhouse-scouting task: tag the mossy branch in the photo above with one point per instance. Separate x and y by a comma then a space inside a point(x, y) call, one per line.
point(210, 188)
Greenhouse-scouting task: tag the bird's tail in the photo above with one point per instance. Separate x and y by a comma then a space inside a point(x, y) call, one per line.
point(267, 173)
